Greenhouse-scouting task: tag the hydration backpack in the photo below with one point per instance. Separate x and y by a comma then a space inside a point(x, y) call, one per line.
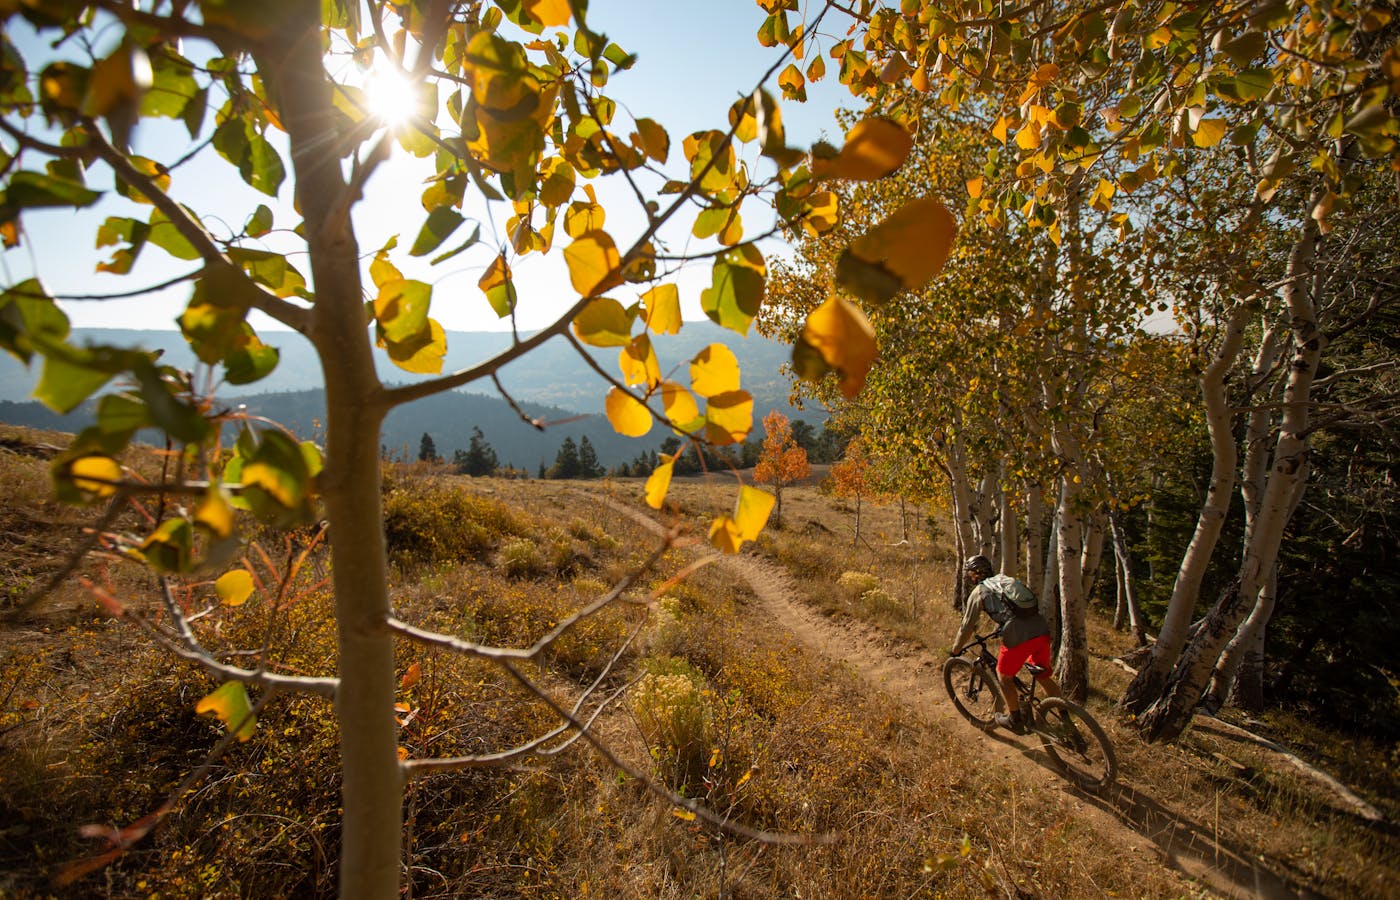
point(1005, 598)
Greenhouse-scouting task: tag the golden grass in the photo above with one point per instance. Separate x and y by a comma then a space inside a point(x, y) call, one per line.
point(98, 726)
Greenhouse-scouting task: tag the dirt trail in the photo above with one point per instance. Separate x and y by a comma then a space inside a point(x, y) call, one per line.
point(1142, 827)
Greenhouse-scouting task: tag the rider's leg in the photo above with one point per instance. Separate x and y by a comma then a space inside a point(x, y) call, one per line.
point(1008, 690)
point(1049, 685)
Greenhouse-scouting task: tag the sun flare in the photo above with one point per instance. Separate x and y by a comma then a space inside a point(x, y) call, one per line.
point(390, 96)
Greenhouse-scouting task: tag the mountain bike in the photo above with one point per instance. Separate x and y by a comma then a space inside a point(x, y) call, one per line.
point(1074, 741)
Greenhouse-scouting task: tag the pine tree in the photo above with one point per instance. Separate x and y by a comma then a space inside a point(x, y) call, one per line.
point(479, 459)
point(566, 462)
point(588, 465)
point(427, 451)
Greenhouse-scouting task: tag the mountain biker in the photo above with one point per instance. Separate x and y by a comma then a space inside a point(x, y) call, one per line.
point(1025, 635)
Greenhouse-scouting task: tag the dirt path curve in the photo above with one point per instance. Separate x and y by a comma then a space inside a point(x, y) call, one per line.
point(1142, 827)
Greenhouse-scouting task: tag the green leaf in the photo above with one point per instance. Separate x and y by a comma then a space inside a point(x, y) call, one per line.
point(174, 416)
point(471, 239)
point(262, 167)
point(32, 190)
point(170, 548)
point(29, 319)
point(402, 308)
point(442, 221)
point(276, 479)
point(167, 237)
point(65, 383)
point(251, 362)
point(738, 281)
point(260, 222)
point(121, 414)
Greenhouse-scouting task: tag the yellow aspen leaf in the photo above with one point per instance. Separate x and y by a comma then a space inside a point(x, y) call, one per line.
point(683, 814)
point(498, 287)
point(655, 141)
point(215, 513)
point(593, 263)
point(724, 535)
point(728, 417)
point(874, 148)
point(824, 215)
point(662, 309)
point(583, 216)
point(659, 481)
point(816, 70)
point(603, 322)
point(627, 415)
point(901, 253)
point(411, 677)
point(974, 187)
point(229, 702)
point(638, 362)
point(234, 587)
point(842, 338)
point(550, 13)
point(714, 370)
point(1028, 138)
point(1209, 132)
point(90, 474)
point(738, 281)
point(752, 511)
point(793, 85)
point(999, 129)
point(423, 353)
point(679, 404)
point(381, 271)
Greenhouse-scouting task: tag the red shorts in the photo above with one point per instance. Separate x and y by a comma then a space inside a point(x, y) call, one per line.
point(1036, 650)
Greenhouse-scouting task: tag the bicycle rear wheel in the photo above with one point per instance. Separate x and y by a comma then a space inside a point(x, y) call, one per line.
point(973, 691)
point(1076, 743)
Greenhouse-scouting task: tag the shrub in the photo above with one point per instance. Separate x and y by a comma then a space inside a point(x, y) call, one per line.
point(429, 522)
point(858, 583)
point(670, 707)
point(522, 558)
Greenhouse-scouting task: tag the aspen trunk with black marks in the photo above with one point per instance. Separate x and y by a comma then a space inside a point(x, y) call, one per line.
point(1169, 715)
point(1050, 589)
point(1072, 660)
point(1147, 686)
point(1092, 554)
point(1010, 534)
point(1035, 539)
point(1129, 607)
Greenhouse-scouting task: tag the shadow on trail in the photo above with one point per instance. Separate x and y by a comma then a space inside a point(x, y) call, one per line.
point(1189, 846)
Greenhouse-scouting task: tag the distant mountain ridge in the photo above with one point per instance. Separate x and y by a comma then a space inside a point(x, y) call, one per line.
point(552, 374)
point(552, 384)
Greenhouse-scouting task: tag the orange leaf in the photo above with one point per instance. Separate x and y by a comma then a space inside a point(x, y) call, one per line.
point(410, 678)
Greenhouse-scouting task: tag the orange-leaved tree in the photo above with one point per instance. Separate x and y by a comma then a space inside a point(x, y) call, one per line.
point(850, 477)
point(781, 461)
point(234, 143)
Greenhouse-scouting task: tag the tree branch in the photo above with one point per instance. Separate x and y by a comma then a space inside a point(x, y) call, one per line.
point(191, 230)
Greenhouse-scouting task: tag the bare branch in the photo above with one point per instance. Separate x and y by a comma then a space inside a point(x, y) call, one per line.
point(85, 546)
point(187, 648)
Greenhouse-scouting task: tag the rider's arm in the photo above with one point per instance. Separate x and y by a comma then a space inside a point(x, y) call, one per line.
point(972, 614)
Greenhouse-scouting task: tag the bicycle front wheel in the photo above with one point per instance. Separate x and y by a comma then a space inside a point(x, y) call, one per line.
point(973, 691)
point(1076, 743)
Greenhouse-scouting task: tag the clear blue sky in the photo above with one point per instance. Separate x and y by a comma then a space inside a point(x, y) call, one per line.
point(694, 60)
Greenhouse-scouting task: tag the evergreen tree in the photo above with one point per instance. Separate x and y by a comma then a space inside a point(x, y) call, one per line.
point(566, 462)
point(479, 459)
point(588, 465)
point(427, 451)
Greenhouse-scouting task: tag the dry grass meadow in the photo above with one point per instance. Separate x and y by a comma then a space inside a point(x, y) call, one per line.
point(834, 735)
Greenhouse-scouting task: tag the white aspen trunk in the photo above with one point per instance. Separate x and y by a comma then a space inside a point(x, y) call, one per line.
point(1250, 633)
point(985, 518)
point(1072, 662)
point(1147, 685)
point(1092, 554)
point(1035, 538)
point(371, 776)
point(1254, 470)
point(1170, 714)
point(1128, 591)
point(961, 494)
point(1010, 536)
point(1050, 588)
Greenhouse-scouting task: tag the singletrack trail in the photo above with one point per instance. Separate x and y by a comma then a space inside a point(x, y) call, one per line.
point(1144, 831)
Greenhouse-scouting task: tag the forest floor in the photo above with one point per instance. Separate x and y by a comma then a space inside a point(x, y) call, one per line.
point(824, 716)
